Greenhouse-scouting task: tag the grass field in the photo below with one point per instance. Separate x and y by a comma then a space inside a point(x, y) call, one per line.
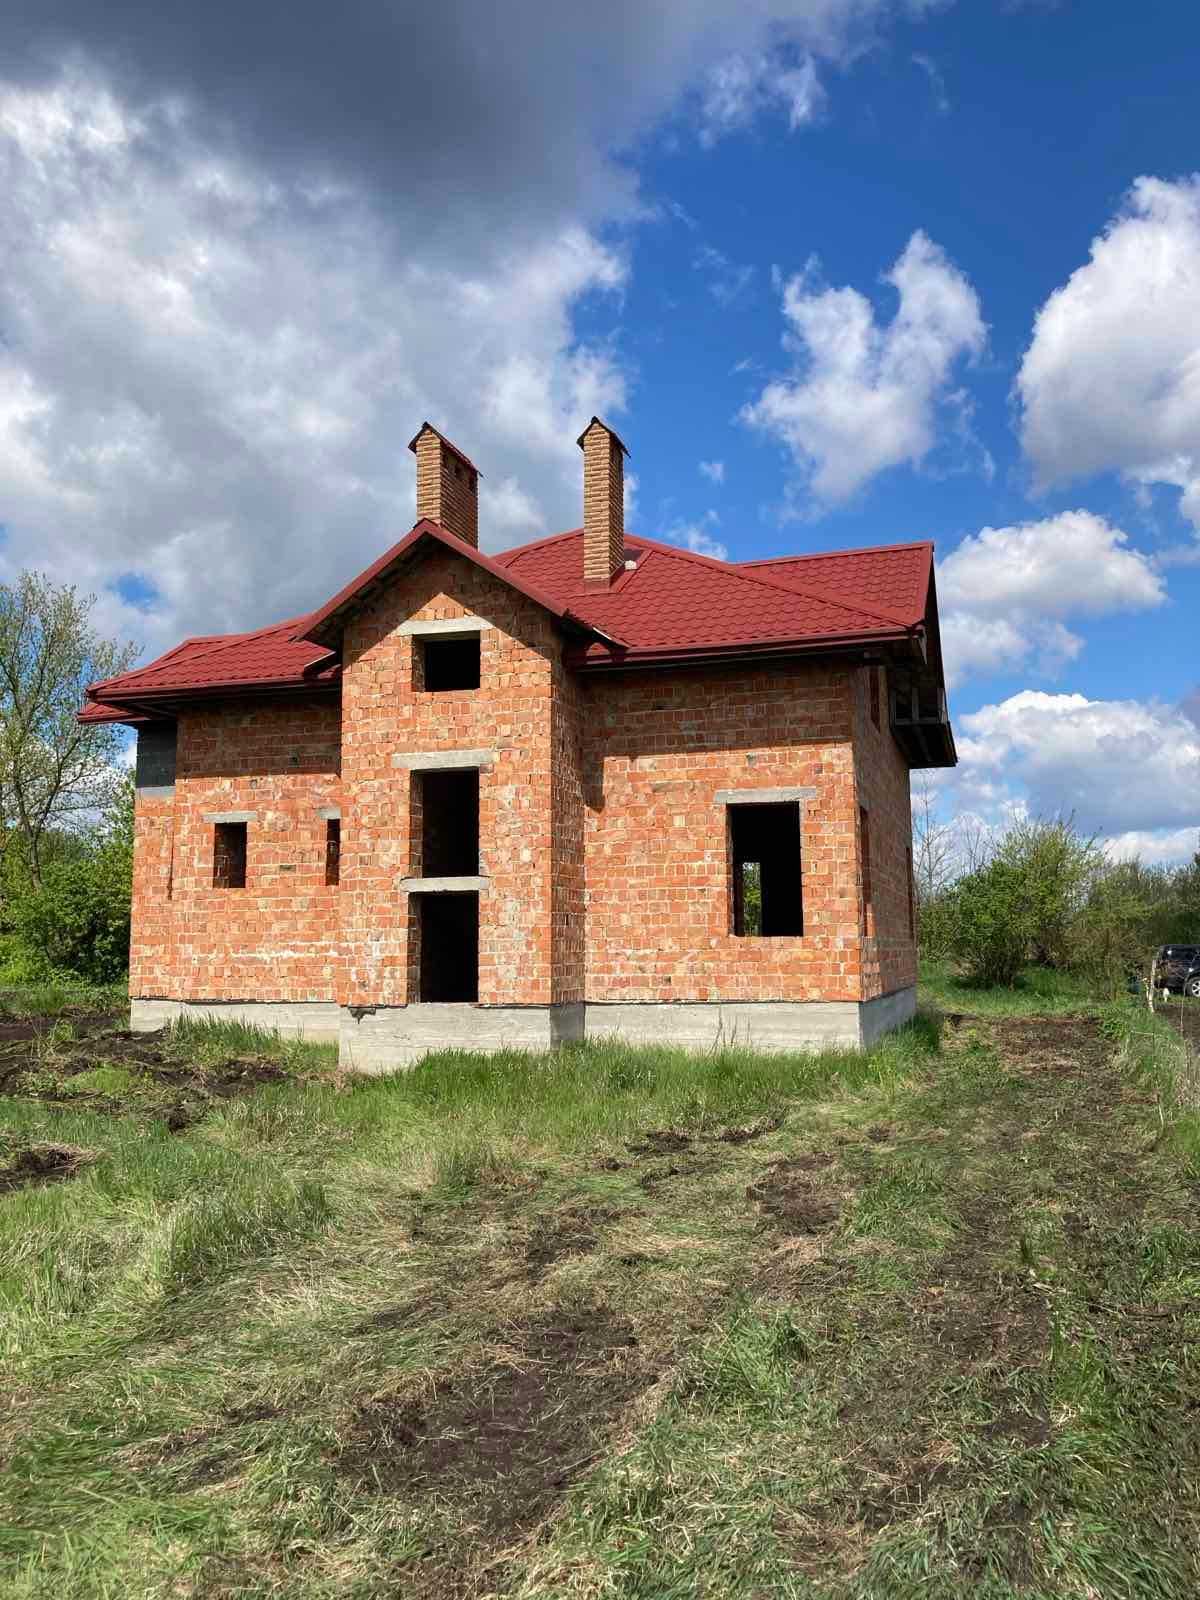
point(919, 1322)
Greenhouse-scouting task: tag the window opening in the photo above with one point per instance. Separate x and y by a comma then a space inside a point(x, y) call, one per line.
point(864, 848)
point(333, 851)
point(874, 671)
point(446, 930)
point(447, 805)
point(229, 855)
point(448, 663)
point(768, 899)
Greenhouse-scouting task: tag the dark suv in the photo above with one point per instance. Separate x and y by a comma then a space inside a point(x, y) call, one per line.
point(1177, 967)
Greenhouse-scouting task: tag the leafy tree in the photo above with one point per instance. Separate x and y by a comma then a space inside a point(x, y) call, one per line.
point(55, 775)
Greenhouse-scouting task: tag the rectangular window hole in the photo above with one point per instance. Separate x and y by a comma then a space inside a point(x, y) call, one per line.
point(768, 899)
point(229, 855)
point(446, 927)
point(448, 806)
point(868, 896)
point(333, 851)
point(448, 663)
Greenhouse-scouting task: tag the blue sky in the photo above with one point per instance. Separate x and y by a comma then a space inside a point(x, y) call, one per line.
point(840, 271)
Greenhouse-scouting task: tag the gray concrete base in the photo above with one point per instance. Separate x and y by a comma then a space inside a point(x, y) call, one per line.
point(389, 1037)
point(754, 1025)
point(398, 1036)
point(299, 1019)
point(886, 1013)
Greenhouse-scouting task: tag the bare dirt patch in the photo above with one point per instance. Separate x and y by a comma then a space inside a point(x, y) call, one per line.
point(40, 1163)
point(36, 1064)
point(502, 1441)
point(570, 1232)
point(660, 1142)
point(794, 1201)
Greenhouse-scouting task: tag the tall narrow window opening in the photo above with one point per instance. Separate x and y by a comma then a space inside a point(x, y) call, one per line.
point(864, 847)
point(768, 899)
point(229, 855)
point(333, 851)
point(874, 672)
point(449, 823)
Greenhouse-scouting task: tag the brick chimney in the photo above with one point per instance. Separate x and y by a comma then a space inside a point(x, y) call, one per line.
point(447, 484)
point(603, 503)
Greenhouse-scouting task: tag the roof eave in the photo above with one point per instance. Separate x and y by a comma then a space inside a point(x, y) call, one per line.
point(675, 655)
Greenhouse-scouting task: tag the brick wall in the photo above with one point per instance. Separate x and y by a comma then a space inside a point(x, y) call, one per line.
point(659, 889)
point(278, 938)
point(600, 832)
point(510, 713)
point(882, 781)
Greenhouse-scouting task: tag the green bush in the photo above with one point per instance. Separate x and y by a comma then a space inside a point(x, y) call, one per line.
point(993, 923)
point(77, 919)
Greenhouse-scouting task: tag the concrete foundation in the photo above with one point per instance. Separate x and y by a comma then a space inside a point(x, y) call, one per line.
point(385, 1038)
point(301, 1019)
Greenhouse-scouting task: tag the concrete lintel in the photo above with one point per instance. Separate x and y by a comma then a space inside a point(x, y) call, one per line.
point(330, 813)
point(462, 885)
point(447, 628)
point(231, 816)
point(156, 791)
point(763, 797)
point(441, 760)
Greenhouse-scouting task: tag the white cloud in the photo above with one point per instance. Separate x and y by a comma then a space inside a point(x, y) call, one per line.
point(1111, 379)
point(213, 385)
point(714, 471)
point(742, 87)
point(1163, 847)
point(727, 280)
point(866, 396)
point(1122, 766)
point(937, 83)
point(228, 298)
point(1006, 593)
point(698, 536)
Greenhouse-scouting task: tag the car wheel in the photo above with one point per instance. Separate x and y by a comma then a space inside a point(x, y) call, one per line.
point(1193, 987)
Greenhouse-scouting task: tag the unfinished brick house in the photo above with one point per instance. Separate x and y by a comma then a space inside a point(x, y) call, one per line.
point(594, 785)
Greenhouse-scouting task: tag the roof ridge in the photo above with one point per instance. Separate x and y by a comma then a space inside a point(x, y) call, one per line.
point(855, 550)
point(735, 569)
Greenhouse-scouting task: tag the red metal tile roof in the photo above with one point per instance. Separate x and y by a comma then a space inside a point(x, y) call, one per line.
point(677, 602)
point(672, 605)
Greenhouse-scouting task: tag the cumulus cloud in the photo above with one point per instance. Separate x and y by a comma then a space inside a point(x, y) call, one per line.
point(865, 395)
point(1111, 379)
point(213, 387)
point(714, 471)
point(1006, 593)
point(1164, 847)
point(1122, 766)
point(227, 297)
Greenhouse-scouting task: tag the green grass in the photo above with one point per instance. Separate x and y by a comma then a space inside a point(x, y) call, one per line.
point(613, 1324)
point(1039, 992)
